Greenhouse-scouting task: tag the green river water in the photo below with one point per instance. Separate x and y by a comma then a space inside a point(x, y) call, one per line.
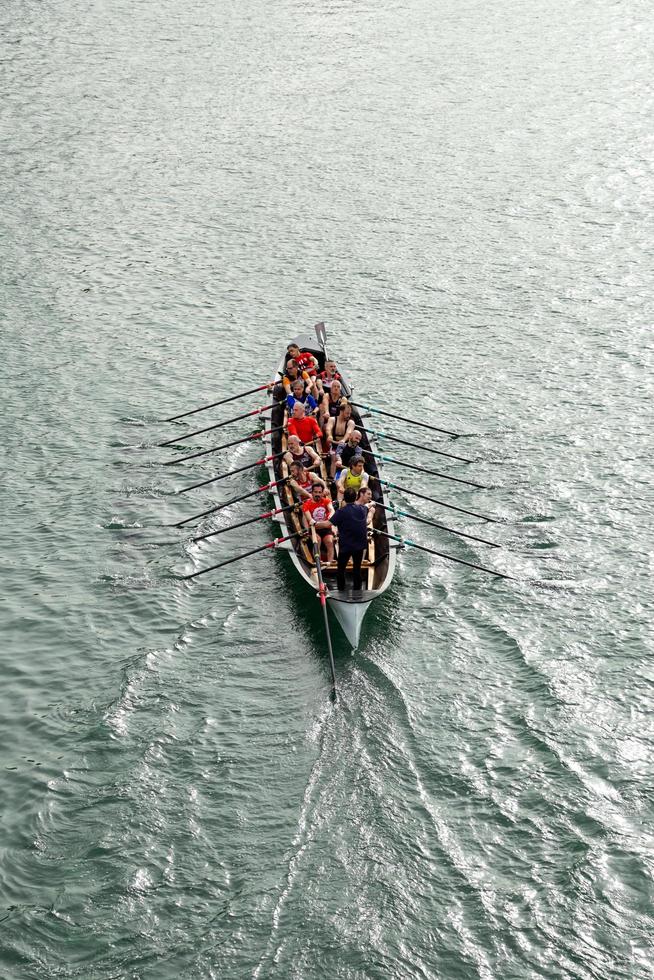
point(463, 192)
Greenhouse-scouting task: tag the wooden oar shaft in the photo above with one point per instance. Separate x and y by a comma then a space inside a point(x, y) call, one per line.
point(416, 445)
point(440, 554)
point(225, 445)
point(208, 428)
point(421, 469)
point(239, 469)
point(250, 520)
point(322, 595)
point(402, 418)
point(228, 503)
point(423, 520)
point(270, 544)
point(223, 401)
point(433, 500)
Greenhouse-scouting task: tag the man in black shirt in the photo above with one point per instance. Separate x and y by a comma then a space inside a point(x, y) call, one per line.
point(350, 522)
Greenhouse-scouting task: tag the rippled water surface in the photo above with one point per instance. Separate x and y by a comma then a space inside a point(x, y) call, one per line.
point(463, 192)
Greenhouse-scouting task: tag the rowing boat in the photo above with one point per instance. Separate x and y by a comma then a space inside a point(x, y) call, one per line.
point(348, 607)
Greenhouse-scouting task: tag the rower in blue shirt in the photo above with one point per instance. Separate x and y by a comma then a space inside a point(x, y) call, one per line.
point(300, 395)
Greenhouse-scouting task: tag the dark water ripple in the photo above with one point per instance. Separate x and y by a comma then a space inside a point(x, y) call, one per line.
point(464, 193)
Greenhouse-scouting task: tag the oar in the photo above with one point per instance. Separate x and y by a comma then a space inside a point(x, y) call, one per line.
point(413, 544)
point(433, 500)
point(223, 401)
point(379, 411)
point(250, 520)
point(271, 544)
point(226, 445)
point(423, 520)
point(239, 469)
point(322, 595)
point(416, 445)
point(412, 466)
point(228, 503)
point(237, 418)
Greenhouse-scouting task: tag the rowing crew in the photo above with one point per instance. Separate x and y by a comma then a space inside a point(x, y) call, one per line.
point(339, 437)
point(350, 525)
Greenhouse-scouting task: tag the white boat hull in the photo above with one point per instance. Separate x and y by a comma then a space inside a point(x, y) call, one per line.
point(350, 616)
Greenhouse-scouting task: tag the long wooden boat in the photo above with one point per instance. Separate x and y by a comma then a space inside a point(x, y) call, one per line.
point(378, 565)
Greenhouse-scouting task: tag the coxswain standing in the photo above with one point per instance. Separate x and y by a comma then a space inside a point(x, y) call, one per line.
point(350, 523)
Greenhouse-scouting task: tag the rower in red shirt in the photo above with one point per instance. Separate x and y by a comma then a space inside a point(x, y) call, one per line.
point(304, 359)
point(317, 512)
point(303, 426)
